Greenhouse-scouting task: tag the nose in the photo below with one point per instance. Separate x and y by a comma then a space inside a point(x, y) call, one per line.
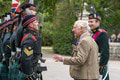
point(36, 23)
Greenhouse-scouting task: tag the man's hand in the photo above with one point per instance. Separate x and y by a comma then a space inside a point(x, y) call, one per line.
point(58, 58)
point(102, 69)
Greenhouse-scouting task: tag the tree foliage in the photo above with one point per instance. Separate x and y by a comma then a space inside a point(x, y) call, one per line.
point(5, 7)
point(62, 26)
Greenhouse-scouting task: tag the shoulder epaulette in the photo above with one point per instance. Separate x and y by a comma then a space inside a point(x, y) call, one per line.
point(28, 35)
point(100, 30)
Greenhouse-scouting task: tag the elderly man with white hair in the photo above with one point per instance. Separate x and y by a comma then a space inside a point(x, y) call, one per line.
point(84, 61)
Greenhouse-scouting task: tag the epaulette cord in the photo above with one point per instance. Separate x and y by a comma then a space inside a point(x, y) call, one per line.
point(94, 30)
point(100, 30)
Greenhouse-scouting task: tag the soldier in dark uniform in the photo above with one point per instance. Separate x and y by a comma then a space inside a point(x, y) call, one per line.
point(6, 49)
point(18, 34)
point(13, 36)
point(26, 9)
point(6, 41)
point(102, 39)
point(30, 46)
point(16, 38)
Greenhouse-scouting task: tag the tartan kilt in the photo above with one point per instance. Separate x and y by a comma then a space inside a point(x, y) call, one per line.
point(15, 73)
point(3, 72)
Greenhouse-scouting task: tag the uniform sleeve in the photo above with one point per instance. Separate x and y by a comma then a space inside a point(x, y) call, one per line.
point(12, 42)
point(19, 35)
point(27, 56)
point(82, 55)
point(37, 49)
point(7, 51)
point(103, 43)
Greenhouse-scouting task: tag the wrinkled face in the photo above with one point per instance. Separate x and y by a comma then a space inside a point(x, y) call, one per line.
point(34, 25)
point(93, 23)
point(77, 31)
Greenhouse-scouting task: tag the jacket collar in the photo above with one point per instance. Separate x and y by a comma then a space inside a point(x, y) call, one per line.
point(31, 31)
point(84, 35)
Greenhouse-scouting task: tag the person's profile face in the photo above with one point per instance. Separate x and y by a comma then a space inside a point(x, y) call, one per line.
point(76, 31)
point(35, 24)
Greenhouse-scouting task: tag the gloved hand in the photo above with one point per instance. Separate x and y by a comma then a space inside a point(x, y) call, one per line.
point(102, 69)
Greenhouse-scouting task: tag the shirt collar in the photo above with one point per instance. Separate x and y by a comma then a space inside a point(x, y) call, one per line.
point(86, 33)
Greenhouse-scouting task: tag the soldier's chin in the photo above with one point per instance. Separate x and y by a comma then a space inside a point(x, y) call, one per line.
point(91, 28)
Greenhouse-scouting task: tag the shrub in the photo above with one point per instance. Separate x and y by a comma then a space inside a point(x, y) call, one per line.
point(62, 28)
point(47, 34)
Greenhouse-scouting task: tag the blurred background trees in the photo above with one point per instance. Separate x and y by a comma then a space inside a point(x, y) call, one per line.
point(61, 14)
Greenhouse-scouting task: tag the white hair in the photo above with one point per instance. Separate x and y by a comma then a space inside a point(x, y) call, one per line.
point(82, 23)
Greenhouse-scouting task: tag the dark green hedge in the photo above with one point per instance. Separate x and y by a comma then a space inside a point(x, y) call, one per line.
point(62, 28)
point(62, 41)
point(47, 34)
